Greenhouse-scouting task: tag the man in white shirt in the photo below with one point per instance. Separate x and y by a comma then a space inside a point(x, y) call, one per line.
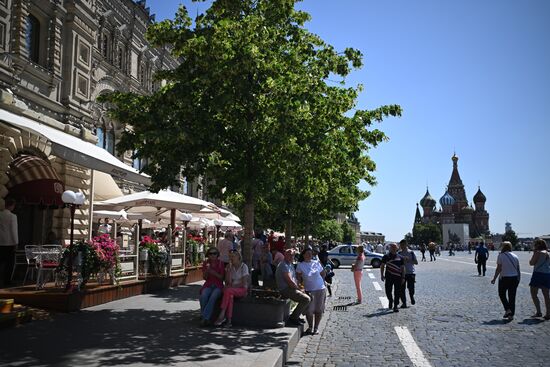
point(8, 241)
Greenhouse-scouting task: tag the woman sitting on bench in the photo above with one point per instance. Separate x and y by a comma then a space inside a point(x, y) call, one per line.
point(236, 285)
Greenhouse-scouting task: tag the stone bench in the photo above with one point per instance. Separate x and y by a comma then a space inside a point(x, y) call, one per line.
point(262, 312)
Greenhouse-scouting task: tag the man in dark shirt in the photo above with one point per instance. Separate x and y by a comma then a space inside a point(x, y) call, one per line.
point(393, 276)
point(481, 257)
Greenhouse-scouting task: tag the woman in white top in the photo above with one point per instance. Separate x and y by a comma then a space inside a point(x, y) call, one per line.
point(508, 269)
point(357, 269)
point(236, 286)
point(312, 274)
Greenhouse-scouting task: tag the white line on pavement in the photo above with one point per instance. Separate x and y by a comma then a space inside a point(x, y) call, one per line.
point(384, 301)
point(371, 275)
point(377, 286)
point(413, 351)
point(369, 269)
point(489, 266)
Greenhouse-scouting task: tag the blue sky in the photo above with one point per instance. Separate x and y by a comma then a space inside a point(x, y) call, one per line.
point(472, 77)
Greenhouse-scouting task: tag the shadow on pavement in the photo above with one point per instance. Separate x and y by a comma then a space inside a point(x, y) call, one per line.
point(531, 321)
point(497, 322)
point(121, 336)
point(381, 312)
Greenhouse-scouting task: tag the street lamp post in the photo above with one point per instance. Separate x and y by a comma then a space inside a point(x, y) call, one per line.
point(73, 200)
point(185, 218)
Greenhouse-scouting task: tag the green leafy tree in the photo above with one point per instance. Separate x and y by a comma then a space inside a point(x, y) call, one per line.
point(511, 237)
point(426, 233)
point(328, 230)
point(250, 71)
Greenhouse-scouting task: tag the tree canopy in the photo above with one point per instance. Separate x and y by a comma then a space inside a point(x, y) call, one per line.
point(251, 107)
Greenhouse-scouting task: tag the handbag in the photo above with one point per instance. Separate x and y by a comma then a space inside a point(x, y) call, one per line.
point(352, 267)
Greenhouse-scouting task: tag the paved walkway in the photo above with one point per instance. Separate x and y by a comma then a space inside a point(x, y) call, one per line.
point(160, 329)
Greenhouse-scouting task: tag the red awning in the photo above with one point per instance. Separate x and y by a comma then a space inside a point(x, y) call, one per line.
point(34, 181)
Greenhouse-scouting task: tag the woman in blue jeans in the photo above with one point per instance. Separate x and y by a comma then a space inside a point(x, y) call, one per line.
point(213, 272)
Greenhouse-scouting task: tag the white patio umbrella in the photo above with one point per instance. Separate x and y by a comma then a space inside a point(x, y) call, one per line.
point(164, 199)
point(111, 214)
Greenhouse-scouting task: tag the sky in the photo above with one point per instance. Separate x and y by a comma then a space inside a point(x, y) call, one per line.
point(472, 78)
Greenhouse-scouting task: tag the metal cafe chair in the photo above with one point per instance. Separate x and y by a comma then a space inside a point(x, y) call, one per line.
point(20, 259)
point(31, 252)
point(47, 260)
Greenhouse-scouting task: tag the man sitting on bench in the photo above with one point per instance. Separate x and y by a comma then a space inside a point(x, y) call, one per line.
point(287, 283)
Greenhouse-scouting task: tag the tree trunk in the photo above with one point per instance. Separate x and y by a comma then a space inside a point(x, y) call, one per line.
point(288, 233)
point(248, 228)
point(307, 229)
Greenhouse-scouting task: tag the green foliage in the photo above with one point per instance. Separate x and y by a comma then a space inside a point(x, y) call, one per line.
point(251, 107)
point(511, 237)
point(328, 230)
point(426, 233)
point(348, 233)
point(90, 262)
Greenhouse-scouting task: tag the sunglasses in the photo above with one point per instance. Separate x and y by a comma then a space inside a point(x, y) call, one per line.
point(212, 253)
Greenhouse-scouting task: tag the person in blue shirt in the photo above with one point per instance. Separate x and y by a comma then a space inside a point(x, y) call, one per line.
point(481, 257)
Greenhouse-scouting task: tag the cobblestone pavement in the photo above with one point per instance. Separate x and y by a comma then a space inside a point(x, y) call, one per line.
point(457, 321)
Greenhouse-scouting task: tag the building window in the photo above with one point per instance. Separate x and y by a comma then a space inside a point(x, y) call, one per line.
point(139, 163)
point(100, 133)
point(33, 38)
point(110, 142)
point(106, 139)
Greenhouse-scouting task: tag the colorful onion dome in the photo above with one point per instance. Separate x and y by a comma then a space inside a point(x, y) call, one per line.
point(447, 199)
point(479, 197)
point(427, 200)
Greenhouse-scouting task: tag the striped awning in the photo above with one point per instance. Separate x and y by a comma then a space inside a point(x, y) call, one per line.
point(34, 181)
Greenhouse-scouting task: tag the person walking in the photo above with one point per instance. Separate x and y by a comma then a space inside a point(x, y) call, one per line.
point(541, 277)
point(311, 273)
point(481, 257)
point(508, 272)
point(392, 272)
point(285, 276)
point(409, 258)
point(213, 272)
point(9, 238)
point(357, 269)
point(423, 251)
point(236, 286)
point(431, 249)
point(225, 246)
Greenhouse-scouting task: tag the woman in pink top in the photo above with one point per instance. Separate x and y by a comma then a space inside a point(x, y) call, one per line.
point(357, 269)
point(212, 272)
point(236, 286)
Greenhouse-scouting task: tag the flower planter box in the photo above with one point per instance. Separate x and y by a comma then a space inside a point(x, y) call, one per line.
point(260, 312)
point(193, 274)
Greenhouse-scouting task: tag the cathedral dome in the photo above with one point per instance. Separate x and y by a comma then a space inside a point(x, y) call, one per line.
point(479, 197)
point(446, 199)
point(427, 200)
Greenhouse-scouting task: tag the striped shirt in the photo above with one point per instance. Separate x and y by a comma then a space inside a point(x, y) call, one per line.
point(393, 264)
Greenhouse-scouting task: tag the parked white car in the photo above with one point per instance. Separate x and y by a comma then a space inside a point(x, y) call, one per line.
point(346, 254)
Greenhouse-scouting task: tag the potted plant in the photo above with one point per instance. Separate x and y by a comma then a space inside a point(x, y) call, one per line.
point(107, 251)
point(85, 261)
point(157, 255)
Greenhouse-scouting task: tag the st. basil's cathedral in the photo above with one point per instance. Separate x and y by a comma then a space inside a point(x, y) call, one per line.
point(455, 211)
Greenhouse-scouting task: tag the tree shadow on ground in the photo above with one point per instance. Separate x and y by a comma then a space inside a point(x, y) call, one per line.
point(188, 292)
point(128, 337)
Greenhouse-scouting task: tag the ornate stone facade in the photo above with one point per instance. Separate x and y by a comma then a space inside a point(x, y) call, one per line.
point(56, 58)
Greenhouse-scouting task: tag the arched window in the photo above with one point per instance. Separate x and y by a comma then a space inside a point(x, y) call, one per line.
point(110, 142)
point(100, 133)
point(105, 138)
point(32, 38)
